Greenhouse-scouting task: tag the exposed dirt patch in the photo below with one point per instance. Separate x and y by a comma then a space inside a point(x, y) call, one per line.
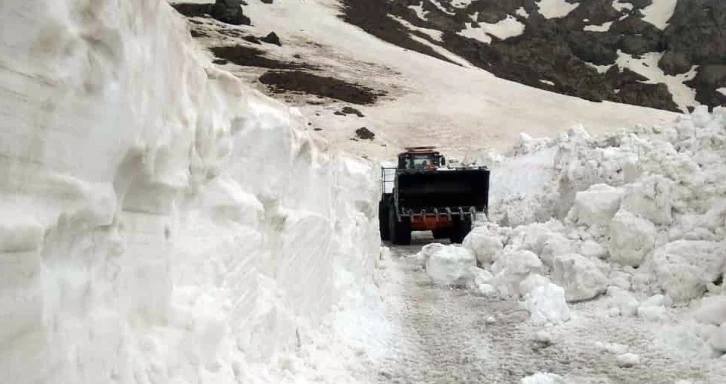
point(252, 57)
point(364, 133)
point(303, 82)
point(349, 111)
point(227, 13)
point(272, 38)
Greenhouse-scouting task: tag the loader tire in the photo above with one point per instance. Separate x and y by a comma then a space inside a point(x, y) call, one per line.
point(400, 230)
point(442, 233)
point(462, 227)
point(383, 220)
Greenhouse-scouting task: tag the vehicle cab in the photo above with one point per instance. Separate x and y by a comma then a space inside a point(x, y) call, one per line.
point(420, 158)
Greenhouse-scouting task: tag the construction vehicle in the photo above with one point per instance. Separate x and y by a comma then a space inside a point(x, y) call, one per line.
point(424, 194)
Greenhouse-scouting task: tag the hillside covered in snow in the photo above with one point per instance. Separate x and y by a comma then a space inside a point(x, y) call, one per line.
point(362, 73)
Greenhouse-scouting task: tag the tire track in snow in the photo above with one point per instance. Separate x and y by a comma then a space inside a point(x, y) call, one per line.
point(442, 338)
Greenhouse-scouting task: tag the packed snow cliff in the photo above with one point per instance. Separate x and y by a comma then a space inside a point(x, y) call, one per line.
point(634, 220)
point(159, 222)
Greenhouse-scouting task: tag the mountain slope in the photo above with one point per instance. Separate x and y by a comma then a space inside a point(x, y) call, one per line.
point(427, 100)
point(584, 48)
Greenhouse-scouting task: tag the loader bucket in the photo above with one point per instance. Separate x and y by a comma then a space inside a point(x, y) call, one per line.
point(441, 189)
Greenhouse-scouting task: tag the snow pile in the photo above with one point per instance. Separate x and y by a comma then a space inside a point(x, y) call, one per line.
point(159, 222)
point(579, 276)
point(627, 360)
point(484, 244)
point(547, 305)
point(513, 267)
point(597, 205)
point(635, 220)
point(452, 266)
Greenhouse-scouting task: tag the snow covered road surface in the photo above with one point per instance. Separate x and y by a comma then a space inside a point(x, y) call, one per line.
point(452, 335)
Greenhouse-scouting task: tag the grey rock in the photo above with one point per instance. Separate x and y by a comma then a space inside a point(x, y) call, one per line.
point(230, 12)
point(674, 63)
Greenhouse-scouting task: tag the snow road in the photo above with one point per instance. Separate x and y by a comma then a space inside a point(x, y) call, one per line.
point(449, 335)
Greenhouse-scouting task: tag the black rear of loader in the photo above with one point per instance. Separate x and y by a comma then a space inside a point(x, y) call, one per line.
point(421, 195)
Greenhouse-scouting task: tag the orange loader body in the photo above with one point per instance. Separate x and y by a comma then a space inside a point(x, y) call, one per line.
point(430, 223)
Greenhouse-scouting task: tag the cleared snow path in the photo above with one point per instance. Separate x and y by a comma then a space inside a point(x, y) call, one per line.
point(447, 335)
point(443, 336)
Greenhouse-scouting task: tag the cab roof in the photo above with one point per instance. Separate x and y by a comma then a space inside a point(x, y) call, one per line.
point(419, 151)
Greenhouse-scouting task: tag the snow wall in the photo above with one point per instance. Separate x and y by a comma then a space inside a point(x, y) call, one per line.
point(159, 222)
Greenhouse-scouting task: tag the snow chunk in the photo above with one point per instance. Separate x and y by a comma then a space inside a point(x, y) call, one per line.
point(543, 378)
point(533, 281)
point(631, 238)
point(555, 244)
point(614, 348)
point(718, 339)
point(542, 336)
point(624, 301)
point(652, 309)
point(579, 276)
point(712, 310)
point(511, 268)
point(593, 249)
point(597, 205)
point(481, 282)
point(650, 198)
point(684, 268)
point(484, 243)
point(552, 9)
point(450, 265)
point(487, 289)
point(722, 91)
point(547, 305)
point(627, 360)
point(18, 232)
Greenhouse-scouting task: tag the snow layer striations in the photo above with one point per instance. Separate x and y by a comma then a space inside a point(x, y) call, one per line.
point(159, 222)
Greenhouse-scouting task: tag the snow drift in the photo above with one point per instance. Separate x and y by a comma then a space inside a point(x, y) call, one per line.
point(637, 217)
point(159, 222)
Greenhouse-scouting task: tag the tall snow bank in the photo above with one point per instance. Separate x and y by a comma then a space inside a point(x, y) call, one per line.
point(159, 222)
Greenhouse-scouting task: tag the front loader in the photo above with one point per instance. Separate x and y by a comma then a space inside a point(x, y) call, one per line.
point(422, 194)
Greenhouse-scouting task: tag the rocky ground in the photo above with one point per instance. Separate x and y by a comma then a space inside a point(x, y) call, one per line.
point(580, 48)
